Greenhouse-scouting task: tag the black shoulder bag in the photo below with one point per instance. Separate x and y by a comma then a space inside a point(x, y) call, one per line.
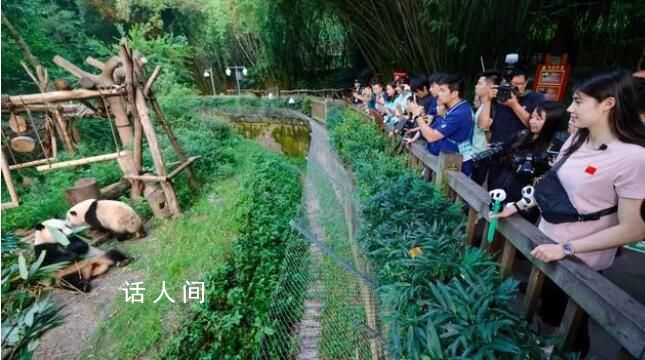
point(554, 203)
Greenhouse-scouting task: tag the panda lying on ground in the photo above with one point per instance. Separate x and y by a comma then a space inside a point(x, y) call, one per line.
point(107, 215)
point(79, 273)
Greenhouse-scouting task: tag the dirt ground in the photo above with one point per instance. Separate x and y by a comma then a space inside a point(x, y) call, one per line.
point(83, 313)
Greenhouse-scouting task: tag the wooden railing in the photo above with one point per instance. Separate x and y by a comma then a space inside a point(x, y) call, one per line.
point(589, 292)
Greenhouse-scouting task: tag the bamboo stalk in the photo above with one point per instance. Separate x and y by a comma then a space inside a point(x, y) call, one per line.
point(79, 162)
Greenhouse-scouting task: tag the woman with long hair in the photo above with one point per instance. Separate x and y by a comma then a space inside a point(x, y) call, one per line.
point(529, 154)
point(590, 200)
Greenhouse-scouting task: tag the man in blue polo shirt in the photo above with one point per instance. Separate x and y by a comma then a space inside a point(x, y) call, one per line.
point(453, 132)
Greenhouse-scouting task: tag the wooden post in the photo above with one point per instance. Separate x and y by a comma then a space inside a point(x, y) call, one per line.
point(470, 225)
point(128, 64)
point(6, 174)
point(83, 189)
point(573, 316)
point(447, 162)
point(160, 168)
point(533, 290)
point(508, 258)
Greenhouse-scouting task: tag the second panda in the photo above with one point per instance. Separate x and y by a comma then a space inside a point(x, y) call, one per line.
point(107, 215)
point(80, 271)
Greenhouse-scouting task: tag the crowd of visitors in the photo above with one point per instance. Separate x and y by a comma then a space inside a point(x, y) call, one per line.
point(584, 165)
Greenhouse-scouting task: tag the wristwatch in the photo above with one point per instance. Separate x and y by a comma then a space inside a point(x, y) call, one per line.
point(568, 249)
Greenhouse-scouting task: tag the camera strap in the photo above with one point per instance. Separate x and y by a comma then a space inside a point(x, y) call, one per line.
point(554, 203)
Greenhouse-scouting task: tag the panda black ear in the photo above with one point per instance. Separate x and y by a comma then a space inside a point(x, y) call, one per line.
point(73, 213)
point(40, 227)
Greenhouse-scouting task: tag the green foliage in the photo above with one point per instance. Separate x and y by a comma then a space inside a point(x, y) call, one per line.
point(25, 315)
point(445, 301)
point(235, 317)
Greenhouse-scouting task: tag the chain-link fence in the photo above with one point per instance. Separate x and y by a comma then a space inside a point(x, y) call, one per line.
point(334, 314)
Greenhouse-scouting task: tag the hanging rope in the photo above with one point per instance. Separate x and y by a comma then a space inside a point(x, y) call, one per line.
point(107, 112)
point(33, 125)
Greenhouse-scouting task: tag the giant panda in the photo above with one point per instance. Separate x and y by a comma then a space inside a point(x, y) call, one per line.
point(80, 271)
point(107, 215)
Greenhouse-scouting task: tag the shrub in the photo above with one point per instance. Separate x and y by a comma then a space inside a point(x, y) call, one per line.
point(442, 300)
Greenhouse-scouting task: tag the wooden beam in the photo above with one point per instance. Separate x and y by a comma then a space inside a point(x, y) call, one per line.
point(126, 60)
point(149, 131)
point(182, 167)
point(173, 140)
point(64, 108)
point(31, 163)
point(57, 96)
point(151, 80)
point(71, 68)
point(95, 63)
point(146, 177)
point(84, 161)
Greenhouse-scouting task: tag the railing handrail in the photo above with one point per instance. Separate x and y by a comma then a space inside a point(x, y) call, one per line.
point(616, 311)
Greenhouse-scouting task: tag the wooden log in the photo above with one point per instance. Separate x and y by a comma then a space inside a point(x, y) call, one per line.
point(63, 108)
point(71, 68)
point(573, 317)
point(114, 191)
point(17, 123)
point(95, 63)
point(31, 163)
point(83, 189)
point(173, 140)
point(533, 291)
point(79, 162)
point(151, 80)
point(157, 201)
point(23, 144)
point(6, 174)
point(65, 134)
point(87, 82)
point(151, 137)
point(58, 96)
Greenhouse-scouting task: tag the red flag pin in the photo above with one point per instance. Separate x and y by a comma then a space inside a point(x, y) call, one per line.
point(590, 170)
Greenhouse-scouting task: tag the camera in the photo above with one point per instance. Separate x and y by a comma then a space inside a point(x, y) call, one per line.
point(494, 149)
point(505, 89)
